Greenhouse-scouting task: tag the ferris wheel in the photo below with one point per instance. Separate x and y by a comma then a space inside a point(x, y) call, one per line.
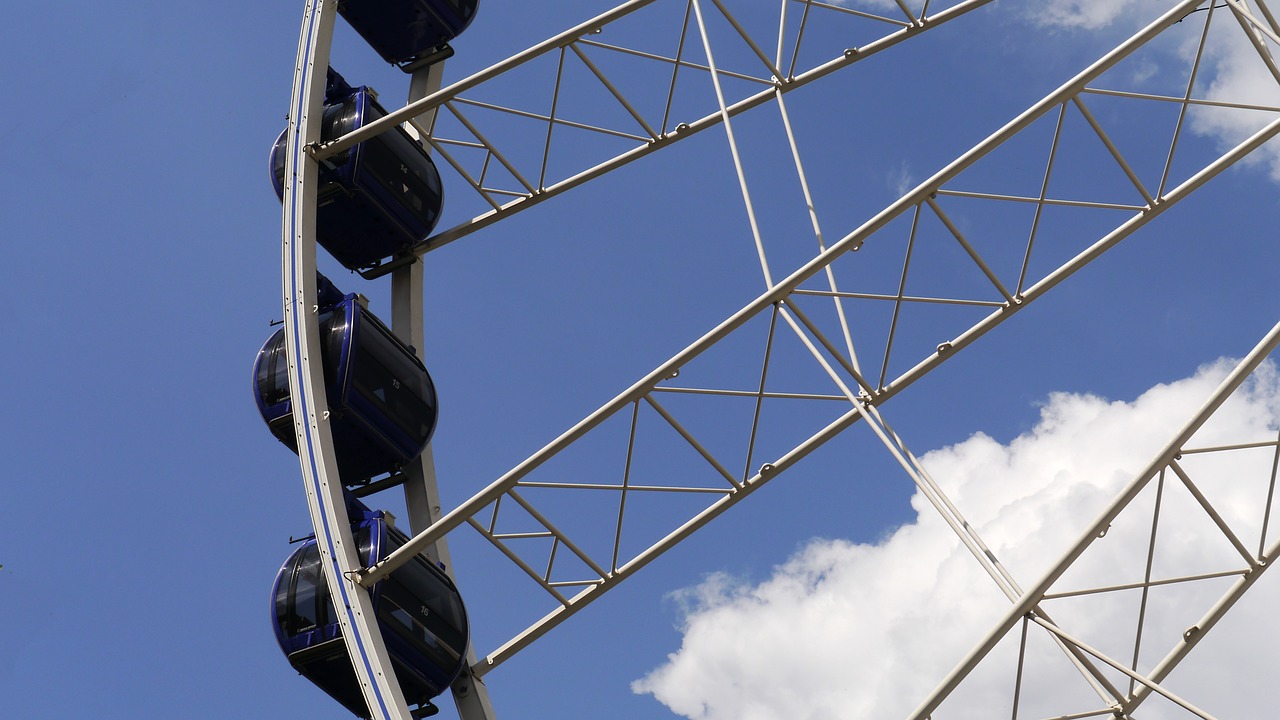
point(370, 612)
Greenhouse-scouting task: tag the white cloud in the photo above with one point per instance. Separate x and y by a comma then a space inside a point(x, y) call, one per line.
point(1072, 14)
point(845, 630)
point(875, 4)
point(1082, 14)
point(1239, 75)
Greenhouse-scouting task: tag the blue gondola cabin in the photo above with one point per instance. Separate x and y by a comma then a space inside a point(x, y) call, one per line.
point(418, 609)
point(374, 200)
point(382, 402)
point(404, 30)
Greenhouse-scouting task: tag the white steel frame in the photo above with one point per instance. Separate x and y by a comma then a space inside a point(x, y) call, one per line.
point(865, 390)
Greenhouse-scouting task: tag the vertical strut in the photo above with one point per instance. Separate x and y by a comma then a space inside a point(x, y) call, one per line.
point(421, 491)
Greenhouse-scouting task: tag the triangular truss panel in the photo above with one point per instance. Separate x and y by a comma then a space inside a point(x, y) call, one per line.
point(630, 82)
point(1153, 575)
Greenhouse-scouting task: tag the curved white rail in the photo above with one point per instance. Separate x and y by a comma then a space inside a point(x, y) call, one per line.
point(306, 376)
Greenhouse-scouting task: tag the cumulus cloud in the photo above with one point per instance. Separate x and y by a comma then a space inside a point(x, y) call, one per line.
point(848, 630)
point(1239, 76)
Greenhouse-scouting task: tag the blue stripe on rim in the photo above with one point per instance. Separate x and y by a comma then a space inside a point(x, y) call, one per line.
point(302, 397)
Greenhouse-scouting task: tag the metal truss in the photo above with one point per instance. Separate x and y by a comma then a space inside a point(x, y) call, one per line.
point(1123, 684)
point(304, 154)
point(611, 95)
point(698, 432)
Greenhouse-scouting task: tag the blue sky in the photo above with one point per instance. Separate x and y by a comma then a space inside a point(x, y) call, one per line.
point(148, 507)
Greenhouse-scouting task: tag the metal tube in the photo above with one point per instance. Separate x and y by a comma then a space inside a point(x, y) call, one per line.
point(748, 393)
point(1148, 684)
point(903, 298)
point(493, 151)
point(760, 395)
point(1146, 576)
point(795, 51)
point(813, 219)
point(1235, 446)
point(626, 485)
point(622, 99)
point(1197, 632)
point(1271, 496)
point(1042, 200)
point(518, 561)
point(544, 118)
point(560, 536)
point(770, 64)
point(693, 442)
point(474, 183)
point(1255, 28)
point(677, 61)
point(1213, 514)
point(1151, 583)
point(897, 300)
point(970, 251)
point(1182, 111)
point(848, 366)
point(1271, 19)
point(1197, 102)
point(551, 120)
point(733, 146)
point(1111, 148)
